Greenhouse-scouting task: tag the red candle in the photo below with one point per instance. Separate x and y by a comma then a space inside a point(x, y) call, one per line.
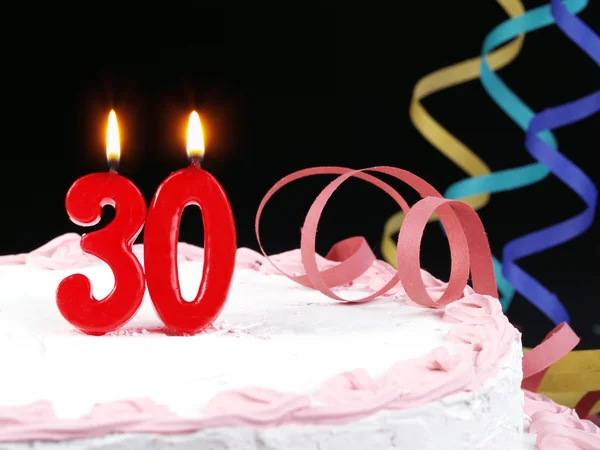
point(112, 244)
point(189, 186)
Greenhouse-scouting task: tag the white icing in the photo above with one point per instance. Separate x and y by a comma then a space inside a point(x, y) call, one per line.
point(272, 333)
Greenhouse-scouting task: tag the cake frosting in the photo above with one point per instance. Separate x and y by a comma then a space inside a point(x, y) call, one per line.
point(282, 367)
point(553, 427)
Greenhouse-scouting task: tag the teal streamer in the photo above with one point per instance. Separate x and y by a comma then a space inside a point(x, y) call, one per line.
point(520, 113)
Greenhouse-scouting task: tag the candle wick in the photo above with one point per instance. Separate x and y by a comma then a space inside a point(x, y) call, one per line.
point(196, 161)
point(113, 166)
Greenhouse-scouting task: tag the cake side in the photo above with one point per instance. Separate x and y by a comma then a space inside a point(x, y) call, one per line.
point(319, 365)
point(486, 419)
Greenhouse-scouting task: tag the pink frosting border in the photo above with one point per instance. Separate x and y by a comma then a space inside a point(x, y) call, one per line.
point(479, 323)
point(557, 427)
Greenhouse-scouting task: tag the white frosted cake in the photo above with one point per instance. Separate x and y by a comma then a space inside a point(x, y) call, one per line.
point(283, 367)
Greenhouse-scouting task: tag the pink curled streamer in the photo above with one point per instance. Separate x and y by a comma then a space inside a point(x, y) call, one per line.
point(464, 230)
point(560, 341)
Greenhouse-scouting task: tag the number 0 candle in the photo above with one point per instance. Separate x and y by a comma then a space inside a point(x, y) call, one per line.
point(112, 244)
point(189, 186)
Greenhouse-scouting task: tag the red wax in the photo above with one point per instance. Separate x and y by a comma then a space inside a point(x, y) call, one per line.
point(112, 244)
point(190, 186)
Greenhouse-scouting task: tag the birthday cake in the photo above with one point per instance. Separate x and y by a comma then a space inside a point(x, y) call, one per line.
point(282, 367)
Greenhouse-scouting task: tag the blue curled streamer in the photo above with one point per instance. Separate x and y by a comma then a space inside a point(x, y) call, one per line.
point(574, 178)
point(561, 167)
point(576, 30)
point(521, 114)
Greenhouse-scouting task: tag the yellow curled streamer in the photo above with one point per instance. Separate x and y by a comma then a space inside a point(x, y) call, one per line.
point(441, 138)
point(569, 379)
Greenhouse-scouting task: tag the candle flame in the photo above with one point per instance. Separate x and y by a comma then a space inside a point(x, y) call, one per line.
point(113, 142)
point(195, 139)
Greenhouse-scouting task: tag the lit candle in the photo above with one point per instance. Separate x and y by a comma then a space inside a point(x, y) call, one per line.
point(189, 186)
point(112, 244)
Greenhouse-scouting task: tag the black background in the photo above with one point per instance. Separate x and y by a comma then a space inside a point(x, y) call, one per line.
point(280, 90)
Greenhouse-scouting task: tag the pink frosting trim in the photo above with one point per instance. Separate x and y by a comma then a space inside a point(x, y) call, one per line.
point(479, 323)
point(64, 253)
point(557, 427)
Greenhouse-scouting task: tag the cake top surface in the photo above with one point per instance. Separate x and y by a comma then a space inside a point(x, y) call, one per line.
point(274, 338)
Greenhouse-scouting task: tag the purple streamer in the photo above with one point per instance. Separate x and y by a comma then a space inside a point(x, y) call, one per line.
point(561, 167)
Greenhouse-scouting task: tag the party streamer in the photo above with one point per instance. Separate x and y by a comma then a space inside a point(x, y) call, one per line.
point(439, 137)
point(566, 381)
point(569, 380)
point(582, 185)
point(521, 113)
point(573, 177)
point(354, 256)
point(549, 360)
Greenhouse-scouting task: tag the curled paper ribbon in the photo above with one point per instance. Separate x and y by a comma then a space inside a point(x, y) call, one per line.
point(469, 247)
point(521, 114)
point(573, 376)
point(573, 380)
point(573, 177)
point(445, 142)
point(460, 226)
point(485, 183)
point(536, 362)
point(585, 406)
point(559, 165)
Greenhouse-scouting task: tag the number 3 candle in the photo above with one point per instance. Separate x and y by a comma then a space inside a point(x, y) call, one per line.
point(189, 186)
point(112, 244)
